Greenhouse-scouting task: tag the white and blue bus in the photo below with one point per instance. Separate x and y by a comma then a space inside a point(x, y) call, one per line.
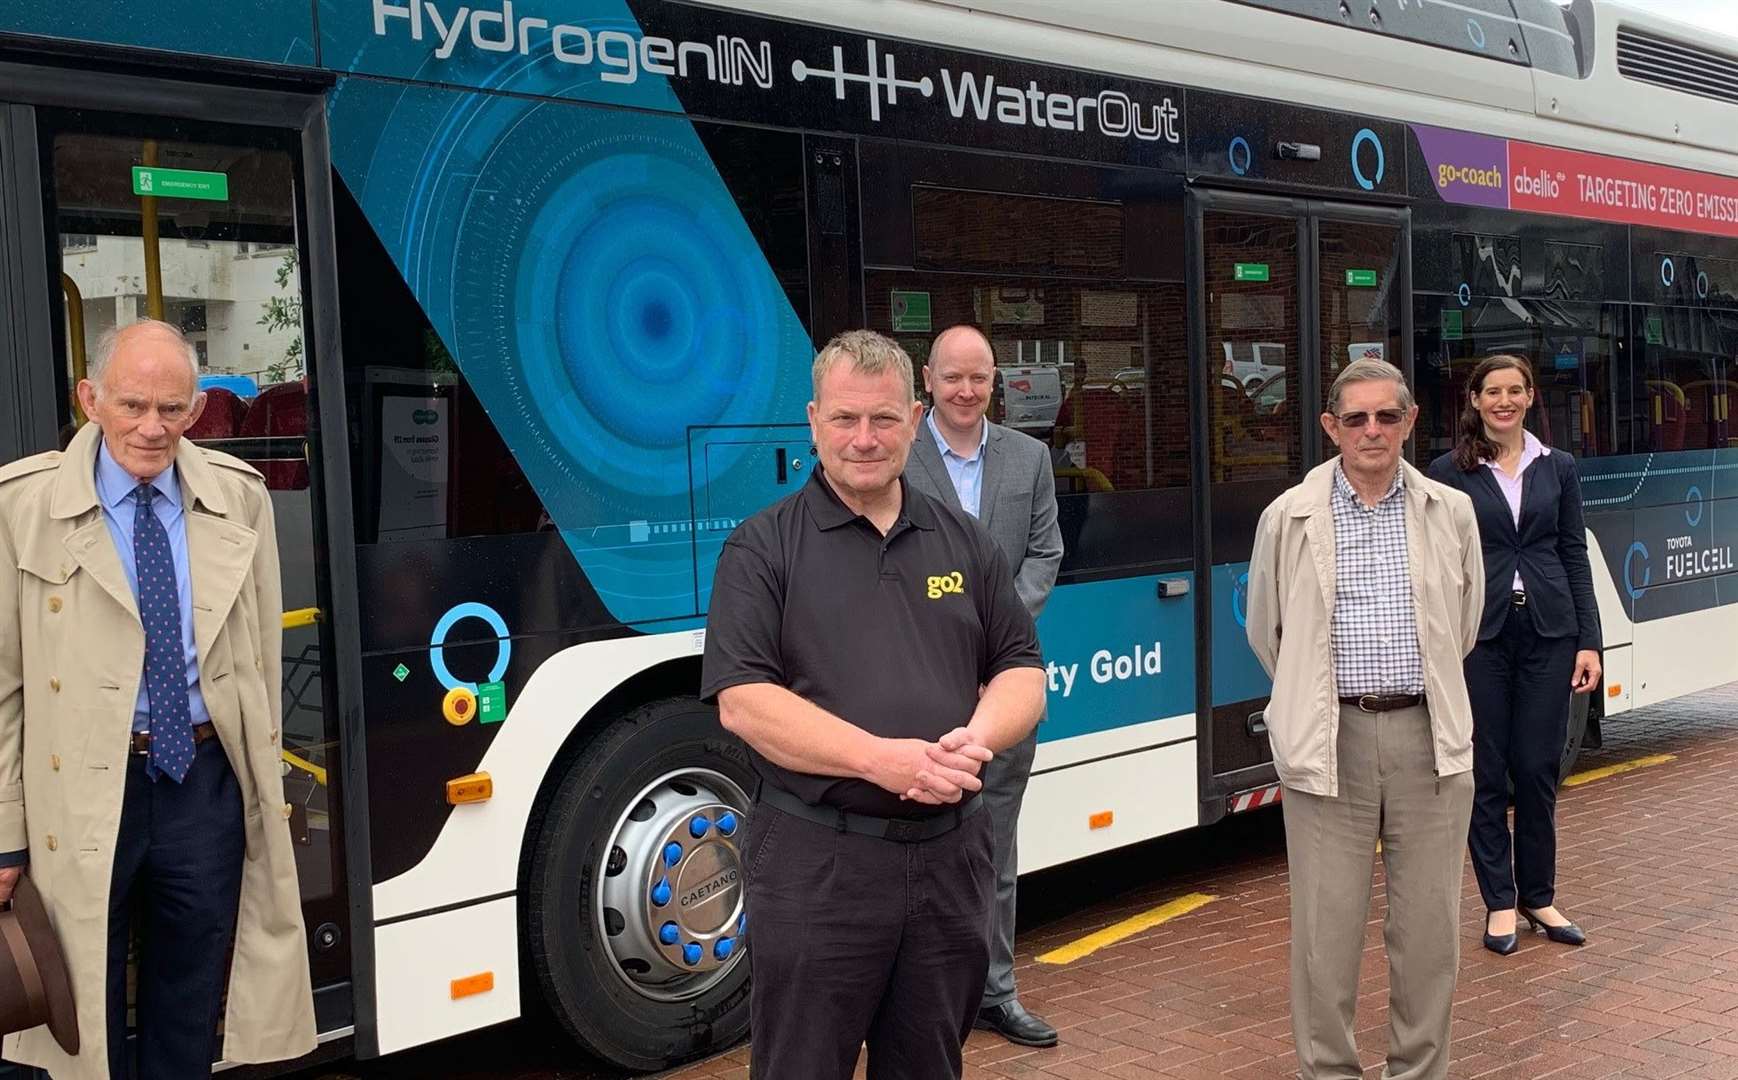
point(513, 303)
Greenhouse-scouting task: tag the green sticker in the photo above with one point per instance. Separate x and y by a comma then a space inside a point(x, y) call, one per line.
point(1451, 325)
point(1361, 279)
point(401, 673)
point(1249, 272)
point(180, 183)
point(491, 703)
point(910, 312)
point(1656, 330)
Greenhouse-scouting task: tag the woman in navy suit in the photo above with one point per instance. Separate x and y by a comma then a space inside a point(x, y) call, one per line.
point(1538, 642)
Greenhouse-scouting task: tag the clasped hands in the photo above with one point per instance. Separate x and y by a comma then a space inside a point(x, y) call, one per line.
point(936, 773)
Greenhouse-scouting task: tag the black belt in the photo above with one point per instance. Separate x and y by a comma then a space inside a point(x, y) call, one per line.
point(903, 830)
point(1518, 598)
point(142, 739)
point(1383, 702)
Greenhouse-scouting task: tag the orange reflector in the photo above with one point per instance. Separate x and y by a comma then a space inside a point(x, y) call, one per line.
point(474, 787)
point(480, 983)
point(1101, 820)
point(1616, 690)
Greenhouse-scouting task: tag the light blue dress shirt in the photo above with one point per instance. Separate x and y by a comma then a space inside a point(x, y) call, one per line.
point(115, 487)
point(967, 474)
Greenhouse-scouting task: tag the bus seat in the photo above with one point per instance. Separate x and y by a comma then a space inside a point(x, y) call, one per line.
point(281, 413)
point(221, 419)
point(1668, 409)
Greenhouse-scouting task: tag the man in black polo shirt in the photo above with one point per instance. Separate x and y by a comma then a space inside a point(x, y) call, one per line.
point(867, 643)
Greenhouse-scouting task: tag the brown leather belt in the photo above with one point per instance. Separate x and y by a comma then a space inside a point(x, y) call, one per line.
point(1383, 702)
point(142, 739)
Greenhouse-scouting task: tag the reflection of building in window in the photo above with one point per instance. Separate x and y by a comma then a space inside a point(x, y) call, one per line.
point(216, 298)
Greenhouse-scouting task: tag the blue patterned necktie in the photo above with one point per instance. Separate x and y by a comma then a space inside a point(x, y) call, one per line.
point(165, 664)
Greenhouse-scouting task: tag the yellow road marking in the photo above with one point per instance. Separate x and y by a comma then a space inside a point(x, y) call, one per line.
point(1621, 767)
point(1129, 927)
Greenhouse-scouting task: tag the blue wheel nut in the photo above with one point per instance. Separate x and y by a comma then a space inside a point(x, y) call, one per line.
point(672, 853)
point(691, 953)
point(661, 892)
point(727, 823)
point(698, 826)
point(669, 933)
point(722, 948)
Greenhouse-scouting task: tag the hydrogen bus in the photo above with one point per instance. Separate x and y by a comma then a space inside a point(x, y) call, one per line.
point(513, 303)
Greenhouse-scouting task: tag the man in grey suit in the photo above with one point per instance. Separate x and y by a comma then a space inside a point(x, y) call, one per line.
point(1002, 478)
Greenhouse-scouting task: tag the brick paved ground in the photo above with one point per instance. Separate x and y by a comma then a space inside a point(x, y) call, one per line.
point(1648, 865)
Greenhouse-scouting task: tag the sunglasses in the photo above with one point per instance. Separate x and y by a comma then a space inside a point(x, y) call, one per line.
point(1358, 420)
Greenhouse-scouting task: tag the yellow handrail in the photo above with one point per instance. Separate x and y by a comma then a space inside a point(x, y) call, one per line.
point(75, 335)
point(148, 233)
point(307, 616)
point(318, 773)
point(300, 617)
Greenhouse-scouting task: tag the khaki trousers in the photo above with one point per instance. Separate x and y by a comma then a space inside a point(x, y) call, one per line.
point(1388, 791)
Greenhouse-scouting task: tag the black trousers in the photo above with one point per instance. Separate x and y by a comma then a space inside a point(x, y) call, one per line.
point(178, 873)
point(854, 938)
point(1519, 685)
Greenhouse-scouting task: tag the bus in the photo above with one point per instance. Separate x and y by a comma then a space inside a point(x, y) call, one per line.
point(513, 302)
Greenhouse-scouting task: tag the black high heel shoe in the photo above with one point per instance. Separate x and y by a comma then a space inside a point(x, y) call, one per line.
point(1567, 934)
point(1501, 944)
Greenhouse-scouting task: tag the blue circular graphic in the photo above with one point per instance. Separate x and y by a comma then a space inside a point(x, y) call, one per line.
point(437, 653)
point(1635, 590)
point(1668, 272)
point(1240, 599)
point(1475, 33)
point(1465, 294)
point(1365, 135)
point(1694, 495)
point(1239, 144)
point(1701, 284)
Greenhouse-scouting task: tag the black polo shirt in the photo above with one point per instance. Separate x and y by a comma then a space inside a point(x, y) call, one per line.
point(892, 633)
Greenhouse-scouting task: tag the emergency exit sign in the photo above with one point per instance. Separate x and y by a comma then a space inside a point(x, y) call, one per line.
point(180, 183)
point(1249, 272)
point(1361, 279)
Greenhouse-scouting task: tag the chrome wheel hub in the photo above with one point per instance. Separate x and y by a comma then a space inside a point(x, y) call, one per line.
point(669, 897)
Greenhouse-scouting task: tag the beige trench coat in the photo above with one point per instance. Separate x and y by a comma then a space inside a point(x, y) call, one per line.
point(71, 656)
point(1290, 621)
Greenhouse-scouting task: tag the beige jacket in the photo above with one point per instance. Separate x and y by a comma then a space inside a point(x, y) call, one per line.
point(1290, 617)
point(71, 655)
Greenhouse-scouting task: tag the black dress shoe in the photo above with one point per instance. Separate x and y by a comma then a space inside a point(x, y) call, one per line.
point(1502, 944)
point(1567, 934)
point(1011, 1021)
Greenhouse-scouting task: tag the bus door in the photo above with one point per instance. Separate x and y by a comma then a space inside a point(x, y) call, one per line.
point(128, 198)
point(1288, 292)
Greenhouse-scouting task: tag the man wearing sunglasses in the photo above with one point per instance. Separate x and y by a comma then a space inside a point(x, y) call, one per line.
point(1365, 592)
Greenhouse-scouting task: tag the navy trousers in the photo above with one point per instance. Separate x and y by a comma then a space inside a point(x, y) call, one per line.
point(1519, 685)
point(177, 874)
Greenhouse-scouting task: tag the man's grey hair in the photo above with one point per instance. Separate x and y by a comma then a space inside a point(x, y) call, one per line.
point(866, 352)
point(105, 350)
point(1368, 369)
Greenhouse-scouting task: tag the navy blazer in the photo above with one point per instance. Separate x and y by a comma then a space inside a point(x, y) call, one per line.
point(1549, 547)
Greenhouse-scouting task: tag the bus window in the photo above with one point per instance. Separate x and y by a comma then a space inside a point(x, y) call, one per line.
point(1361, 292)
point(1685, 357)
point(1573, 348)
point(220, 260)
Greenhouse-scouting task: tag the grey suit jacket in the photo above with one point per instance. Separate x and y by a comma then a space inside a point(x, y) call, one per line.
point(1017, 504)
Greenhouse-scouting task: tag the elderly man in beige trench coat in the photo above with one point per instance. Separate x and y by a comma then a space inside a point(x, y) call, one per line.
point(74, 649)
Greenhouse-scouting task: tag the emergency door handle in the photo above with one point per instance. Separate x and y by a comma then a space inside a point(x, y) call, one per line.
point(1171, 588)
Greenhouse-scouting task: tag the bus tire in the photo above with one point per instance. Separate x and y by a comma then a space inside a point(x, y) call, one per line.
point(593, 909)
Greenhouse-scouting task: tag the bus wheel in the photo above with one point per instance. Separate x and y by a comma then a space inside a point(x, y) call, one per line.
point(633, 903)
